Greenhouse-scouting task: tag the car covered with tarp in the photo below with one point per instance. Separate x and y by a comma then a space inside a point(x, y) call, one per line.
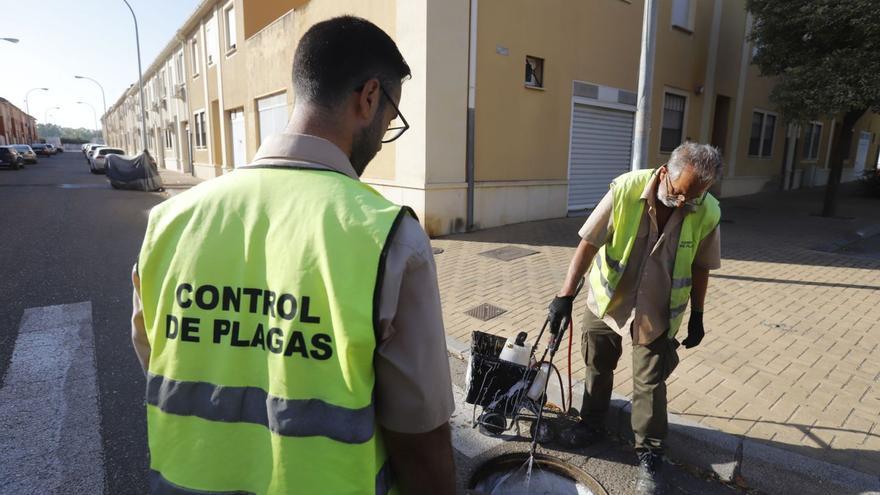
point(136, 173)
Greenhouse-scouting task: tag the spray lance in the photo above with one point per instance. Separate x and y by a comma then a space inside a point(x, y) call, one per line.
point(539, 386)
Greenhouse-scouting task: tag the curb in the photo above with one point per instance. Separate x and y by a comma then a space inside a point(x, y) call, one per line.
point(731, 458)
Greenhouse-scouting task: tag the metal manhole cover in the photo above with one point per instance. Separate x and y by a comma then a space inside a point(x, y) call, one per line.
point(485, 312)
point(508, 253)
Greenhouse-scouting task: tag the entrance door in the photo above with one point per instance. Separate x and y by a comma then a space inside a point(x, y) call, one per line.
point(599, 151)
point(719, 122)
point(236, 118)
point(862, 152)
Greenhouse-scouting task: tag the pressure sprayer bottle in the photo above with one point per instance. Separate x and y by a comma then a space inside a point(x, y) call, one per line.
point(515, 351)
point(540, 382)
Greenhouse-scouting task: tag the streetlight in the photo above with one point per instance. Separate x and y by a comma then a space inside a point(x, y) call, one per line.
point(26, 104)
point(137, 41)
point(104, 100)
point(11, 40)
point(94, 113)
point(46, 113)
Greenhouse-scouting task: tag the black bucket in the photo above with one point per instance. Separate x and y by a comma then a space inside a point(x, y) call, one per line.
point(492, 383)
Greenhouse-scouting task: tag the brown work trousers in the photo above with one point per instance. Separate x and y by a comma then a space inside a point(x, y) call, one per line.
point(652, 364)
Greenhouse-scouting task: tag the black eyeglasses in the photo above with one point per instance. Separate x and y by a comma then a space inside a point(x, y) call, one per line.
point(392, 133)
point(680, 197)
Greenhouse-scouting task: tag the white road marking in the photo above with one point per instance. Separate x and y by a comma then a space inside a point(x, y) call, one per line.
point(49, 419)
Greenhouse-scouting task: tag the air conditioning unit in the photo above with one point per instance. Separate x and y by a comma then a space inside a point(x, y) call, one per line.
point(179, 91)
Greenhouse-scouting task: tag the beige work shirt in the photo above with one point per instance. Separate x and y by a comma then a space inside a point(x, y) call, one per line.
point(640, 306)
point(413, 383)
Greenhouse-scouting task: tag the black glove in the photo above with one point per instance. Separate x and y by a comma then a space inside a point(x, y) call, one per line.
point(695, 330)
point(560, 308)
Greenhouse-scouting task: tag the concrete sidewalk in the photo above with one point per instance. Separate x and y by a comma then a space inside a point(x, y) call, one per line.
point(176, 182)
point(786, 379)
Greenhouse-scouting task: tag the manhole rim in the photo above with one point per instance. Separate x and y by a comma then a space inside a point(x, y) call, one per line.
point(548, 462)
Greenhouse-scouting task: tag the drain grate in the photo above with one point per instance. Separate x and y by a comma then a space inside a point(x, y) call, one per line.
point(485, 312)
point(508, 253)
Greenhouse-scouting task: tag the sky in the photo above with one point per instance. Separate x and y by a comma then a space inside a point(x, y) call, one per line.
point(93, 38)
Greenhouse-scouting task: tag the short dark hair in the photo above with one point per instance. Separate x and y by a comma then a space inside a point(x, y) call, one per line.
point(335, 56)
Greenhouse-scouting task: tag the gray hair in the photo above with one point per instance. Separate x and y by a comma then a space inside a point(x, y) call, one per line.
point(705, 158)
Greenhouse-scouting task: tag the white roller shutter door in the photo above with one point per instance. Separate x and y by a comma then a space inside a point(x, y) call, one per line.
point(601, 149)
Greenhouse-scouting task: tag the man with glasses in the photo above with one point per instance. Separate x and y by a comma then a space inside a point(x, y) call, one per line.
point(650, 244)
point(288, 316)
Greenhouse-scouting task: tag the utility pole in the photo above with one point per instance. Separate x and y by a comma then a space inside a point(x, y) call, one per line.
point(646, 79)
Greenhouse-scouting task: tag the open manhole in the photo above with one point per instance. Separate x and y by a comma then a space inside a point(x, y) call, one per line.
point(508, 475)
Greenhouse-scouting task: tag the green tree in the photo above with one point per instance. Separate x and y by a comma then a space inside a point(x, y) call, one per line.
point(68, 134)
point(825, 55)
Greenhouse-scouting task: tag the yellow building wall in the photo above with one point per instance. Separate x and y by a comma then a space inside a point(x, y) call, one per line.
point(757, 97)
point(260, 13)
point(523, 133)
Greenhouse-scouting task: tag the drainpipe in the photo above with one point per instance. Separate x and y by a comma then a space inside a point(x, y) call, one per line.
point(791, 140)
point(471, 104)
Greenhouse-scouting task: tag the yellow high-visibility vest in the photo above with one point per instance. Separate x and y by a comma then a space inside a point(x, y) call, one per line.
point(260, 292)
point(612, 259)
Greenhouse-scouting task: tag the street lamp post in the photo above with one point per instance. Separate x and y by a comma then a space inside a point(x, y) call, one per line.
point(27, 105)
point(103, 99)
point(46, 113)
point(94, 113)
point(140, 76)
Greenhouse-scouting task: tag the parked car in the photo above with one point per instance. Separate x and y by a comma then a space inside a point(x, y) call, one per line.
point(41, 149)
point(89, 150)
point(98, 163)
point(27, 153)
point(10, 157)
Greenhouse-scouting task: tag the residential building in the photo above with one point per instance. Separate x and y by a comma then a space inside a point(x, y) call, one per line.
point(16, 127)
point(519, 109)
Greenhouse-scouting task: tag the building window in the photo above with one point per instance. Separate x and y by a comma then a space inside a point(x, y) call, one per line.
point(196, 61)
point(673, 122)
point(761, 139)
point(534, 72)
point(681, 14)
point(211, 40)
point(229, 16)
point(201, 133)
point(273, 115)
point(178, 68)
point(811, 141)
point(169, 137)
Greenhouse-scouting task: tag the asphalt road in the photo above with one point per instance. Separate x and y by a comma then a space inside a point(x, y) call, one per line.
point(67, 237)
point(67, 245)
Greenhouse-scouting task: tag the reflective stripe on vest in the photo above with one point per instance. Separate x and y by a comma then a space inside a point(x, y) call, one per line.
point(287, 417)
point(262, 327)
point(612, 258)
